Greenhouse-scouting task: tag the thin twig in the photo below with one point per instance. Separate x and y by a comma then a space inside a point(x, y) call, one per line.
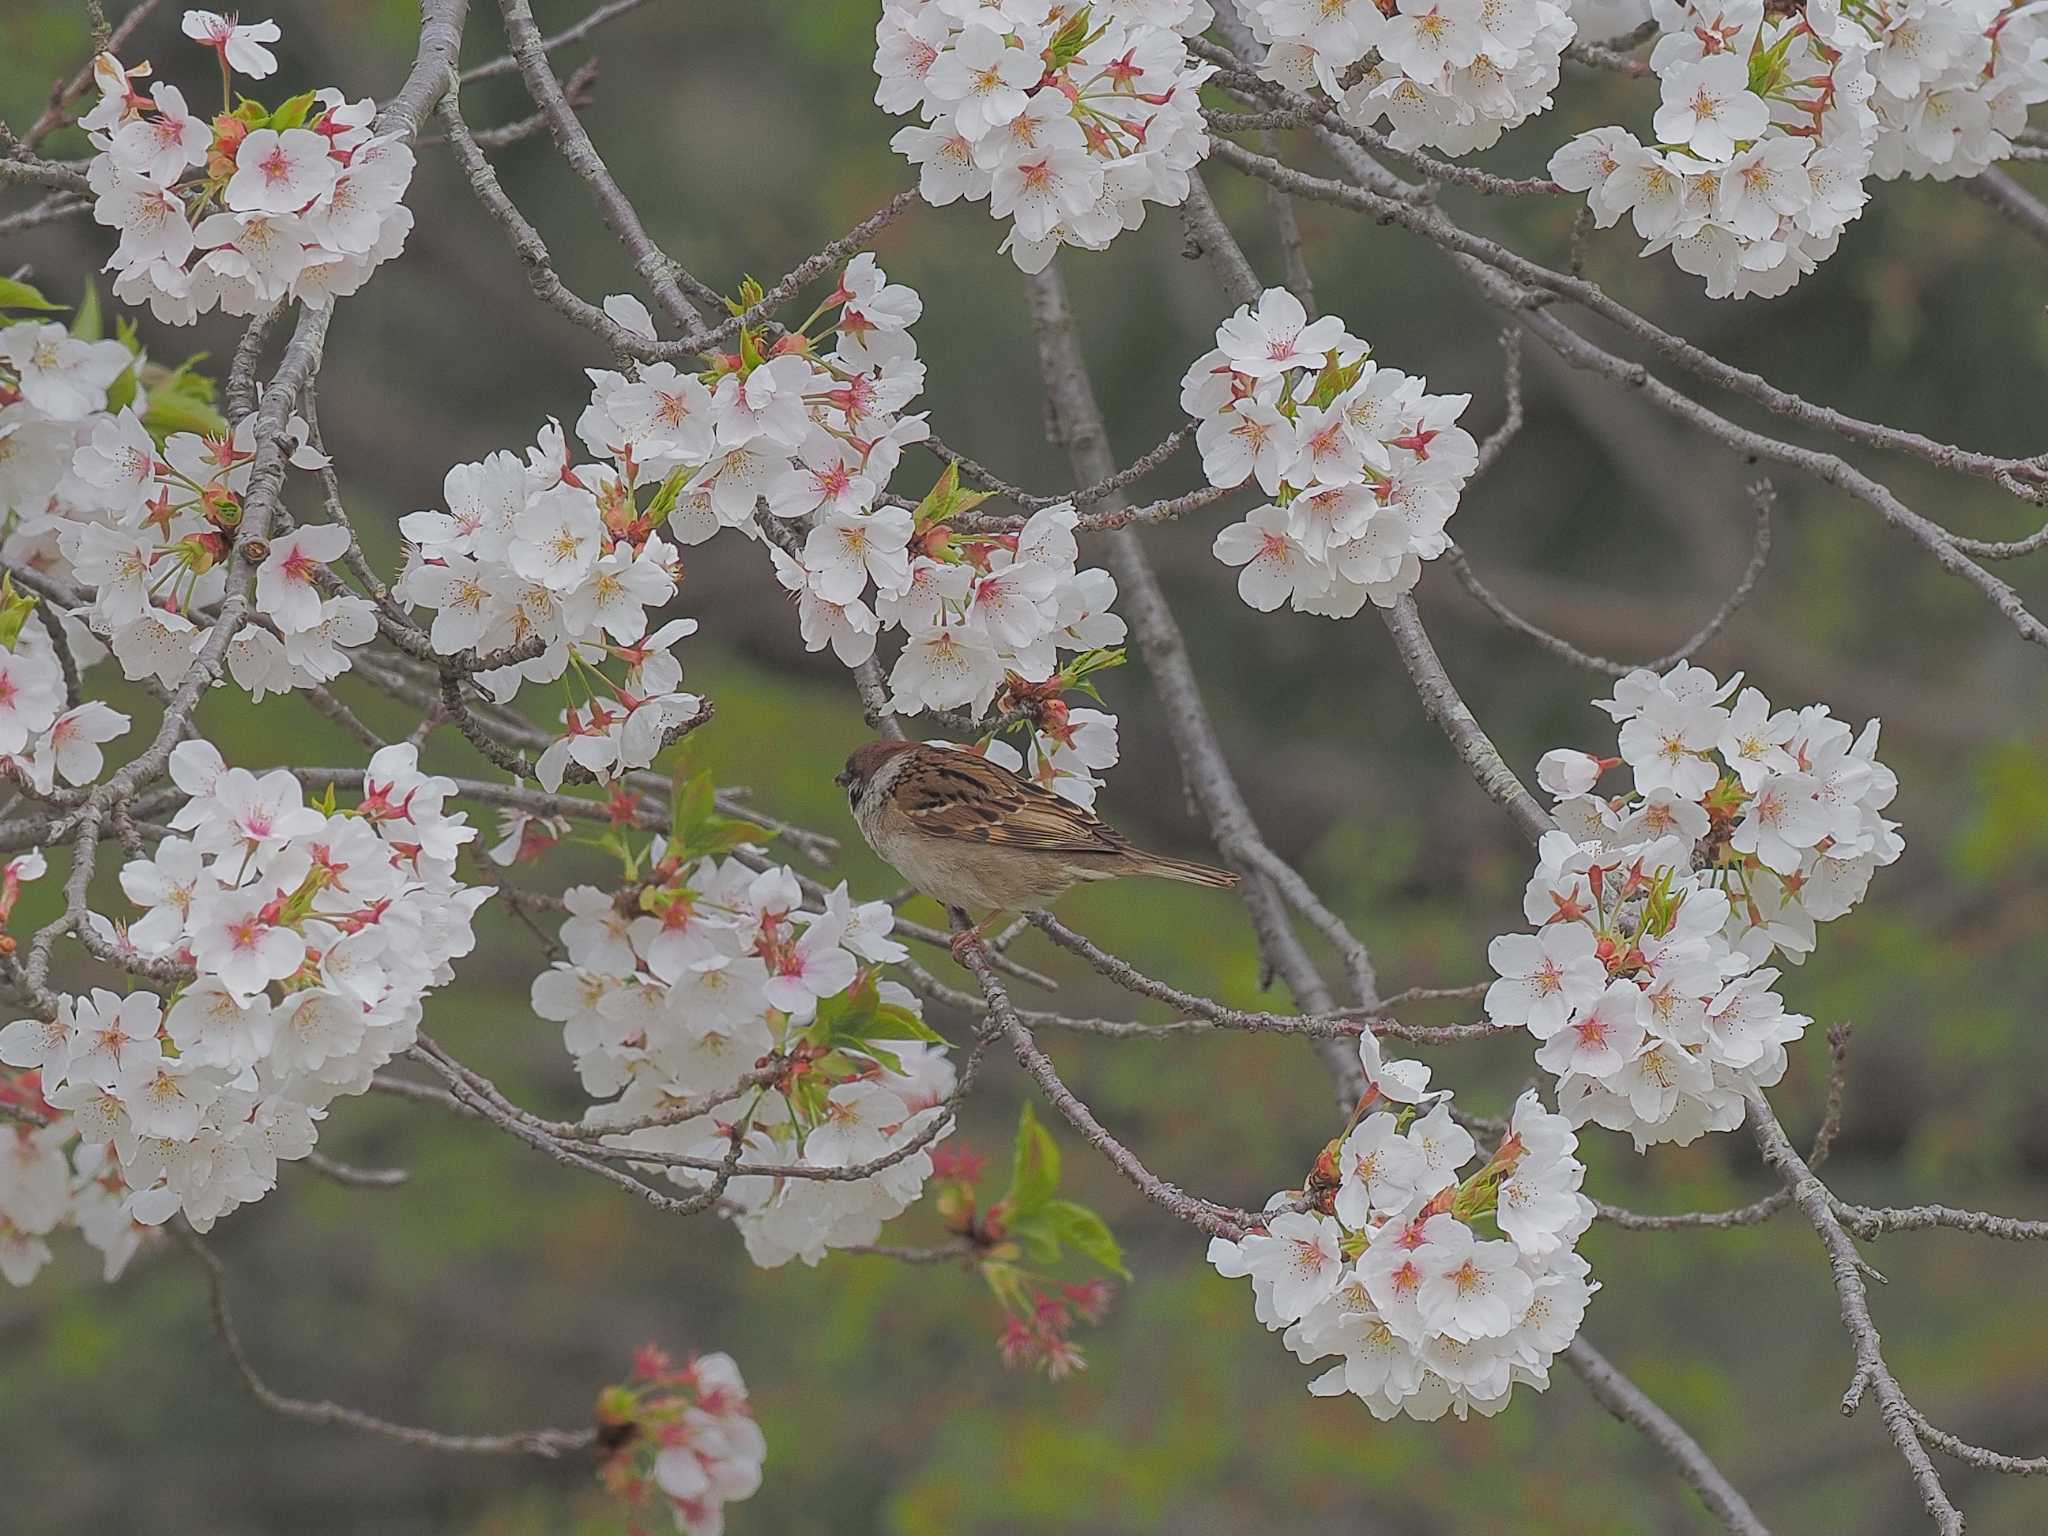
point(546, 1443)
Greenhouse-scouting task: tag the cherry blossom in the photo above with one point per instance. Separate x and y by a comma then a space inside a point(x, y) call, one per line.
point(303, 204)
point(1451, 74)
point(728, 965)
point(1384, 1273)
point(240, 46)
point(1646, 979)
point(191, 1109)
point(1363, 467)
point(1068, 122)
point(1772, 121)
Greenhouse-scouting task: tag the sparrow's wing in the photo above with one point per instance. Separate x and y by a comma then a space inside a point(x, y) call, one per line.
point(955, 794)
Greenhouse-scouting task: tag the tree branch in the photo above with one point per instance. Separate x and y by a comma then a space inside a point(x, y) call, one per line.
point(546, 1443)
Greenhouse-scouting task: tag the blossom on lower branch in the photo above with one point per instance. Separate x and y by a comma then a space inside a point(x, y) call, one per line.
point(1363, 467)
point(707, 982)
point(1432, 1289)
point(311, 936)
point(680, 1438)
point(1657, 911)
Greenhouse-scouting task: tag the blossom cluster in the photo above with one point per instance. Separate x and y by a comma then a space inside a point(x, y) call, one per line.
point(50, 1180)
point(1451, 74)
point(552, 567)
point(1387, 1261)
point(1657, 911)
point(1955, 79)
point(680, 1438)
point(1364, 467)
point(564, 559)
point(256, 205)
point(304, 939)
point(986, 618)
point(51, 375)
point(734, 1017)
point(1773, 118)
point(1068, 119)
point(146, 530)
point(48, 1177)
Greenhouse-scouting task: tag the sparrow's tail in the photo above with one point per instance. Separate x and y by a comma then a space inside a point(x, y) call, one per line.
point(1183, 869)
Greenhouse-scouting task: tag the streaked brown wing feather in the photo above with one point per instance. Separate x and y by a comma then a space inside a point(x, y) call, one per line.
point(948, 793)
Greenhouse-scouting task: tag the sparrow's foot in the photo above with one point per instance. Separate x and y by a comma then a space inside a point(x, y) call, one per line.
point(976, 936)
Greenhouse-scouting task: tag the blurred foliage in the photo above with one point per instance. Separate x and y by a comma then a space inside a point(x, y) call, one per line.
point(496, 1289)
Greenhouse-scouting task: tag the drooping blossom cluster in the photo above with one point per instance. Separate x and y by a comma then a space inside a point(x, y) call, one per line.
point(1451, 74)
point(1363, 467)
point(254, 205)
point(49, 1179)
point(680, 1440)
point(1433, 1289)
point(56, 381)
point(553, 566)
point(146, 529)
point(1955, 79)
point(1772, 119)
point(1068, 118)
point(706, 982)
point(1657, 911)
point(304, 940)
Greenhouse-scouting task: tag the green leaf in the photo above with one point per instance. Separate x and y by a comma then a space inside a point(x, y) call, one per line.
point(1334, 379)
point(667, 494)
point(888, 1059)
point(86, 324)
point(1034, 1166)
point(895, 1022)
point(292, 113)
point(171, 412)
point(121, 393)
point(15, 294)
point(182, 401)
point(15, 607)
point(1036, 1233)
point(690, 802)
point(1068, 41)
point(1087, 1234)
point(696, 830)
point(937, 505)
point(845, 1018)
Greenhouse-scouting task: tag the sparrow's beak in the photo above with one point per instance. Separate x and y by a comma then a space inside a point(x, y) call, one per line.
point(843, 778)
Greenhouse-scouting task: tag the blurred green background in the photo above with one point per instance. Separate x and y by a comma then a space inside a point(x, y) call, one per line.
point(496, 1290)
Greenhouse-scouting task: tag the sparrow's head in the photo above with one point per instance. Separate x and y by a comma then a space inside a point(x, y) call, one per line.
point(865, 762)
